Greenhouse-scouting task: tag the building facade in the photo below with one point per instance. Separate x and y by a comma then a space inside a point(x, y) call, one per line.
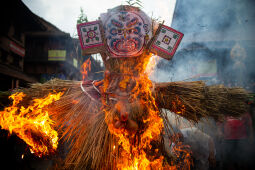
point(34, 50)
point(52, 54)
point(15, 21)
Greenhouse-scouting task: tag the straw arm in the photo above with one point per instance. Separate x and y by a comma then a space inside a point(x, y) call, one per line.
point(195, 100)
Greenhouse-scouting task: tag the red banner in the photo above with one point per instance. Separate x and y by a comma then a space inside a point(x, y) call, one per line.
point(17, 49)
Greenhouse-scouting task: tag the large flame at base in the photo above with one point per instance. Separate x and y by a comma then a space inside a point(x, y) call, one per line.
point(135, 150)
point(32, 124)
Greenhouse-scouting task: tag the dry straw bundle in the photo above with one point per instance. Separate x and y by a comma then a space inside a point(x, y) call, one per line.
point(81, 121)
point(195, 100)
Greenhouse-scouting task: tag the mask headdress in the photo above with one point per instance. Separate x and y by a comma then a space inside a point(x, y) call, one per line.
point(126, 31)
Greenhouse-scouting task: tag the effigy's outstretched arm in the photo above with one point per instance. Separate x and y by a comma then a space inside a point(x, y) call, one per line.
point(78, 120)
point(195, 100)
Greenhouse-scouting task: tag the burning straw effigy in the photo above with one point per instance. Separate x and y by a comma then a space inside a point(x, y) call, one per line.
point(119, 122)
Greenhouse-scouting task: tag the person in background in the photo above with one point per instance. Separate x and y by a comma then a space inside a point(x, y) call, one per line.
point(237, 133)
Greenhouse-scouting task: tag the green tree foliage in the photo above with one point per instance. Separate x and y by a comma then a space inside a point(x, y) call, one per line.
point(82, 17)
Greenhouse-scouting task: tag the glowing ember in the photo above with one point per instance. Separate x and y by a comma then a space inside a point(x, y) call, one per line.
point(75, 101)
point(85, 68)
point(183, 156)
point(177, 106)
point(32, 123)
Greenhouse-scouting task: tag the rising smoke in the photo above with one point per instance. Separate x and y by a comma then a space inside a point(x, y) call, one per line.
point(218, 44)
point(218, 47)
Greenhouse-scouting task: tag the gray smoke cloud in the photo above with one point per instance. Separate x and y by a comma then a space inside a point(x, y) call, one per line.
point(218, 38)
point(217, 34)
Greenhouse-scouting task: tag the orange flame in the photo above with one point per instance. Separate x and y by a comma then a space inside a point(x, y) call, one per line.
point(85, 68)
point(150, 68)
point(32, 124)
point(183, 154)
point(131, 149)
point(177, 106)
point(132, 155)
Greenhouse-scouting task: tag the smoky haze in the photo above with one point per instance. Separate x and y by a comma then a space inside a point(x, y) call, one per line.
point(218, 44)
point(219, 47)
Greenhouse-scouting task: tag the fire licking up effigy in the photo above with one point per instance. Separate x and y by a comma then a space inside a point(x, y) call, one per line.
point(118, 122)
